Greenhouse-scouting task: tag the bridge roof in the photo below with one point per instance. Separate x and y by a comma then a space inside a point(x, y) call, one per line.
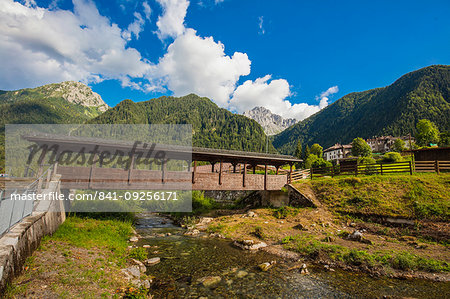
point(76, 144)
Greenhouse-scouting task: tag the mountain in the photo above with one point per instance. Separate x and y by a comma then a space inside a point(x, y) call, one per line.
point(392, 110)
point(212, 126)
point(60, 103)
point(272, 123)
point(65, 102)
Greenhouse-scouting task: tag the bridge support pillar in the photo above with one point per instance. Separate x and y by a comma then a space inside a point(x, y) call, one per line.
point(265, 176)
point(193, 173)
point(243, 175)
point(220, 173)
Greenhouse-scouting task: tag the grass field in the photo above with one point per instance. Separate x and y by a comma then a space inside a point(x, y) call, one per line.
point(417, 196)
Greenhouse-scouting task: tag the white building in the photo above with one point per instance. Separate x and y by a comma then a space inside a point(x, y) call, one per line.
point(385, 144)
point(337, 152)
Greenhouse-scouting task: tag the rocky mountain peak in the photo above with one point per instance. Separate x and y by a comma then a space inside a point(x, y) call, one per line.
point(271, 123)
point(75, 92)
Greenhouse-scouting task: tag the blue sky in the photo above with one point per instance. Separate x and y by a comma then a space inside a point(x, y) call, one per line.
point(295, 57)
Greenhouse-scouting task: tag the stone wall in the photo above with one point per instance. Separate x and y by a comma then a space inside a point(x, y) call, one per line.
point(24, 237)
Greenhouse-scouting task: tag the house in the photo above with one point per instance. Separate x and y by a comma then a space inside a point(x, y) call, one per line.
point(337, 152)
point(385, 144)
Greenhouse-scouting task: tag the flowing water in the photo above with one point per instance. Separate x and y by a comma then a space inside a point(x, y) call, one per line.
point(185, 260)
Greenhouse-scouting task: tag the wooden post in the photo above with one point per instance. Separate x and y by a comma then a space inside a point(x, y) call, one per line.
point(265, 176)
point(356, 169)
point(410, 168)
point(311, 173)
point(212, 166)
point(189, 166)
point(220, 173)
point(381, 168)
point(290, 173)
point(130, 170)
point(278, 167)
point(243, 174)
point(193, 173)
point(163, 170)
point(254, 168)
point(91, 171)
point(437, 166)
point(234, 168)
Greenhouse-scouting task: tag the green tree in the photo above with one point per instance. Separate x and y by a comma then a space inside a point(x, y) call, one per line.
point(314, 161)
point(360, 148)
point(310, 160)
point(399, 145)
point(317, 150)
point(298, 150)
point(427, 132)
point(444, 139)
point(307, 153)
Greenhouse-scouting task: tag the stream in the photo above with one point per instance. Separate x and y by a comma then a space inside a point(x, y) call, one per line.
point(185, 260)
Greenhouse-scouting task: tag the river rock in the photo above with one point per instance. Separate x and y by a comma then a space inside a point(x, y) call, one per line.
point(203, 223)
point(134, 239)
point(266, 266)
point(356, 236)
point(152, 261)
point(141, 266)
point(146, 246)
point(250, 244)
point(132, 271)
point(251, 214)
point(241, 274)
point(194, 232)
point(210, 281)
point(304, 269)
point(216, 235)
point(146, 284)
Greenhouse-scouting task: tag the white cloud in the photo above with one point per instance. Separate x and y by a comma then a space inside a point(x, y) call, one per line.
point(199, 65)
point(261, 25)
point(272, 95)
point(39, 46)
point(171, 22)
point(134, 28)
point(324, 96)
point(147, 10)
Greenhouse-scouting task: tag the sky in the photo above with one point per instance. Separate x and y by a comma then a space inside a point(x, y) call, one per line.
point(292, 57)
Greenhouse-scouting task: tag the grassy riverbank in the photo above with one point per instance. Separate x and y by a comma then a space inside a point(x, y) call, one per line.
point(362, 204)
point(82, 259)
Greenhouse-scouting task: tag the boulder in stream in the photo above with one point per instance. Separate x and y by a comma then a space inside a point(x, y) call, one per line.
point(152, 261)
point(250, 244)
point(210, 281)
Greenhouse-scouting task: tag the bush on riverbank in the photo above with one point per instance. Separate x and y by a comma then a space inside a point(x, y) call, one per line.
point(423, 196)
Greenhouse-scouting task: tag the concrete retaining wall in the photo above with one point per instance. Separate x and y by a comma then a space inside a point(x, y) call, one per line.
point(24, 237)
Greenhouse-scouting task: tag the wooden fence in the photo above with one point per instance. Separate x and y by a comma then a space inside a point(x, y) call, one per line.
point(382, 168)
point(299, 175)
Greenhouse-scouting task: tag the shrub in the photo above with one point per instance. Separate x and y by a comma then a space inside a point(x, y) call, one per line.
point(200, 203)
point(139, 254)
point(287, 240)
point(284, 212)
point(392, 157)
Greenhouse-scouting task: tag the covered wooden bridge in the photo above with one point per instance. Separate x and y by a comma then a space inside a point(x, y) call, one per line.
point(229, 170)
